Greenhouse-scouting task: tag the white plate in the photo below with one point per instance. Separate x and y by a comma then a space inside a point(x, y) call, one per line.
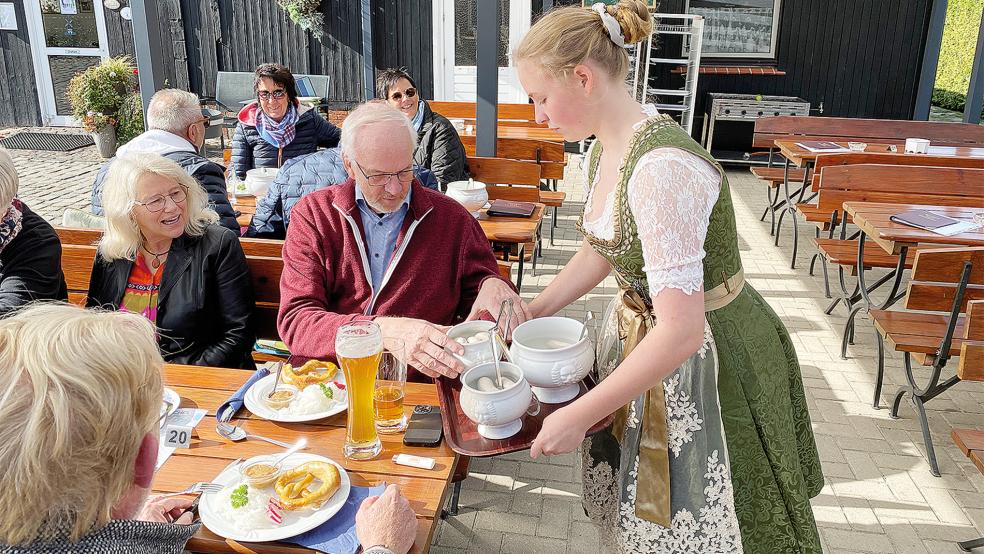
point(254, 402)
point(294, 523)
point(171, 397)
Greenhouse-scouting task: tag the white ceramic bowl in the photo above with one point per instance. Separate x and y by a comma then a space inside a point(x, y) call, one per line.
point(499, 413)
point(471, 194)
point(477, 353)
point(554, 361)
point(258, 180)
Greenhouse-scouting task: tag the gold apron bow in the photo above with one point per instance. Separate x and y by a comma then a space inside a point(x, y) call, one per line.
point(653, 481)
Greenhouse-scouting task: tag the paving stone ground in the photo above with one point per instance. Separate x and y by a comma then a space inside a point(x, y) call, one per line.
point(879, 495)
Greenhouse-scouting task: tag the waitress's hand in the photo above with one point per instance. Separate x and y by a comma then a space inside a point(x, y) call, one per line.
point(561, 433)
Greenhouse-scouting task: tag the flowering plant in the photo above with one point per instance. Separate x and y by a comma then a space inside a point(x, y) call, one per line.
point(307, 14)
point(98, 93)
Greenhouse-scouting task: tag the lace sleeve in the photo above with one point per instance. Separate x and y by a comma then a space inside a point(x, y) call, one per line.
point(671, 195)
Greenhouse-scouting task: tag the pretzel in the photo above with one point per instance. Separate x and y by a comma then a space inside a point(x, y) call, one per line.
point(292, 485)
point(311, 373)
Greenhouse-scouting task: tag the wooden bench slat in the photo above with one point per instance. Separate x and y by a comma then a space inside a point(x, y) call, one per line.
point(968, 439)
point(971, 367)
point(946, 264)
point(938, 297)
point(845, 252)
point(774, 176)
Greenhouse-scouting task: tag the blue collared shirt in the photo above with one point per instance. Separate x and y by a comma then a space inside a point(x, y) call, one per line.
point(381, 232)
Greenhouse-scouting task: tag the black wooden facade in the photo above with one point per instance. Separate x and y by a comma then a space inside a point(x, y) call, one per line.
point(860, 58)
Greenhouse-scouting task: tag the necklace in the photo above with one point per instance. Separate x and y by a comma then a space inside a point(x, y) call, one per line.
point(156, 262)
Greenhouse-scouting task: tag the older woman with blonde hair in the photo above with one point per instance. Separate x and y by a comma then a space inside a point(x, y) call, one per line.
point(79, 435)
point(163, 256)
point(30, 253)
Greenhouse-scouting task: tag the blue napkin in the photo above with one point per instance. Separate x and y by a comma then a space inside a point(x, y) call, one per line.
point(337, 535)
point(236, 400)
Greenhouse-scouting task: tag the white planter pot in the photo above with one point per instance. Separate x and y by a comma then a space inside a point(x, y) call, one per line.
point(105, 140)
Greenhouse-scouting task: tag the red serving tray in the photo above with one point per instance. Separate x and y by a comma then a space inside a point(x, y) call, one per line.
point(462, 433)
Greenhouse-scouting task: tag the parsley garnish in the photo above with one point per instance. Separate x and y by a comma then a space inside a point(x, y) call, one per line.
point(326, 390)
point(239, 496)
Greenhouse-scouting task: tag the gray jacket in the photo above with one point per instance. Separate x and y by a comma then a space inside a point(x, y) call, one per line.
point(118, 537)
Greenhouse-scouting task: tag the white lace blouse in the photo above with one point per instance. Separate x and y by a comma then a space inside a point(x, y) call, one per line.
point(671, 194)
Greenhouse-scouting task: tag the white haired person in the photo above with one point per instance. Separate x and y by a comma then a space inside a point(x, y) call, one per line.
point(79, 435)
point(30, 252)
point(381, 246)
point(163, 256)
point(711, 449)
point(176, 130)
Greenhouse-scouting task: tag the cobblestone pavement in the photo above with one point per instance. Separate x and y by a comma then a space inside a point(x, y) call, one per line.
point(879, 496)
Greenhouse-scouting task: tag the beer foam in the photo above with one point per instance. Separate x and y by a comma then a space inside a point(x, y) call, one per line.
point(363, 346)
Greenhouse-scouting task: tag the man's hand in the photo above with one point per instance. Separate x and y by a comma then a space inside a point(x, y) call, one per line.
point(490, 297)
point(167, 510)
point(425, 345)
point(386, 520)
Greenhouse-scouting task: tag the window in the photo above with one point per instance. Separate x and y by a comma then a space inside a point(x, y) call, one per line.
point(738, 28)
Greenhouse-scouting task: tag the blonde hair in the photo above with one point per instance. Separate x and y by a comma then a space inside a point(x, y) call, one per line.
point(79, 390)
point(371, 113)
point(9, 181)
point(122, 237)
point(566, 37)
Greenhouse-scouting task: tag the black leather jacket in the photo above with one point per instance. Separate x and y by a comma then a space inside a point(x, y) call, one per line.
point(206, 299)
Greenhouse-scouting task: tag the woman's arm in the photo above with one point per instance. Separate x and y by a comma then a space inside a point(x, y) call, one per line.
point(242, 152)
point(235, 303)
point(583, 272)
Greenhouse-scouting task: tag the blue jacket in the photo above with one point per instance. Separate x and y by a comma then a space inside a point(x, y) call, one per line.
point(299, 177)
point(249, 150)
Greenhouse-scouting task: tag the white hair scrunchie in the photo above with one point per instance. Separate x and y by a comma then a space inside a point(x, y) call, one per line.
point(611, 24)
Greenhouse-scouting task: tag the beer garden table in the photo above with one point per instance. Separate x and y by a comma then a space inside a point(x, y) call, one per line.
point(208, 388)
point(510, 231)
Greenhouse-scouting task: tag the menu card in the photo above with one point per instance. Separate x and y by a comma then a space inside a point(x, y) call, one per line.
point(821, 146)
point(933, 222)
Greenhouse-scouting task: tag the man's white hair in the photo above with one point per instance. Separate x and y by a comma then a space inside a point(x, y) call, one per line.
point(8, 181)
point(173, 110)
point(371, 113)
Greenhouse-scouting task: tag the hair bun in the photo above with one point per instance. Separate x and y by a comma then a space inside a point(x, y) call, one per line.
point(634, 18)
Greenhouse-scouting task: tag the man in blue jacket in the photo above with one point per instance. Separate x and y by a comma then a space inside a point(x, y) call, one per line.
point(177, 132)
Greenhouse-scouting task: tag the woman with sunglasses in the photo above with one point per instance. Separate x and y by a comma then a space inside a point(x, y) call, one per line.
point(276, 126)
point(439, 148)
point(164, 257)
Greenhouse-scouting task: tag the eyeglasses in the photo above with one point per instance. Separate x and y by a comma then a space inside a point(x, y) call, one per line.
point(158, 202)
point(380, 179)
point(205, 122)
point(266, 94)
point(397, 96)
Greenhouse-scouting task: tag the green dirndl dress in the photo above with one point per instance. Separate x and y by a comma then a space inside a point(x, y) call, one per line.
point(736, 411)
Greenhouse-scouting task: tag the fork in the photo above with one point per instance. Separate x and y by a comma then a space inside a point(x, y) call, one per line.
point(196, 488)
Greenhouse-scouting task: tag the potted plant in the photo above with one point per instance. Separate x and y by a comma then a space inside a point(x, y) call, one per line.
point(97, 95)
point(306, 14)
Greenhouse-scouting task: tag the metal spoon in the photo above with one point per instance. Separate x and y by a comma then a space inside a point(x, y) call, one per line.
point(584, 329)
point(236, 433)
point(495, 358)
point(299, 445)
point(276, 383)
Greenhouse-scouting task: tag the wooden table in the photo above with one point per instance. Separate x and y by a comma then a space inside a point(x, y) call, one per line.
point(208, 388)
point(509, 231)
point(514, 131)
point(246, 206)
point(800, 156)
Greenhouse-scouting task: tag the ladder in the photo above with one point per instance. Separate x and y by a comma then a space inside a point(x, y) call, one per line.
point(645, 56)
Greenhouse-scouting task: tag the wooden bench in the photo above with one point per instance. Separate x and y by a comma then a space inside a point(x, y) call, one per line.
point(946, 283)
point(971, 443)
point(836, 184)
point(505, 113)
point(769, 129)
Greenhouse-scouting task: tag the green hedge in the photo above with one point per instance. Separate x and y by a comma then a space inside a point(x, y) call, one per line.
point(963, 19)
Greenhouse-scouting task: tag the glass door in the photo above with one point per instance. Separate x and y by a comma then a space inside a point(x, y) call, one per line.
point(455, 34)
point(67, 36)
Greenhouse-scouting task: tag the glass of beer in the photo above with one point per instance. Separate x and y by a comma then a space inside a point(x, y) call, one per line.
point(391, 383)
point(359, 346)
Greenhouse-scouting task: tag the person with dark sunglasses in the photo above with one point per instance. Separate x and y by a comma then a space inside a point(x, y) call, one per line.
point(276, 127)
point(439, 148)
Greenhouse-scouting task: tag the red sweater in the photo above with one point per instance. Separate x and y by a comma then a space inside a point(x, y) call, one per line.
point(441, 259)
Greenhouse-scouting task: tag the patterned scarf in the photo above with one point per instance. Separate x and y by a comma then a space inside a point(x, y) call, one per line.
point(276, 133)
point(418, 118)
point(10, 224)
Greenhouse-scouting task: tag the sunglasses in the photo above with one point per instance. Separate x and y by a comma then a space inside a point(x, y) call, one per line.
point(266, 95)
point(397, 96)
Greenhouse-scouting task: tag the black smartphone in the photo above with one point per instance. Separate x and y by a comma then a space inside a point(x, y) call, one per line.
point(424, 428)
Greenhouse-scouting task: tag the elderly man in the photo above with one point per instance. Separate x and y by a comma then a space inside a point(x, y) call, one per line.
point(177, 132)
point(383, 247)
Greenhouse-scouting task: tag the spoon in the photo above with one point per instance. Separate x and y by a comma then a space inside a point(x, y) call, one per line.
point(495, 358)
point(276, 383)
point(584, 329)
point(299, 445)
point(236, 433)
